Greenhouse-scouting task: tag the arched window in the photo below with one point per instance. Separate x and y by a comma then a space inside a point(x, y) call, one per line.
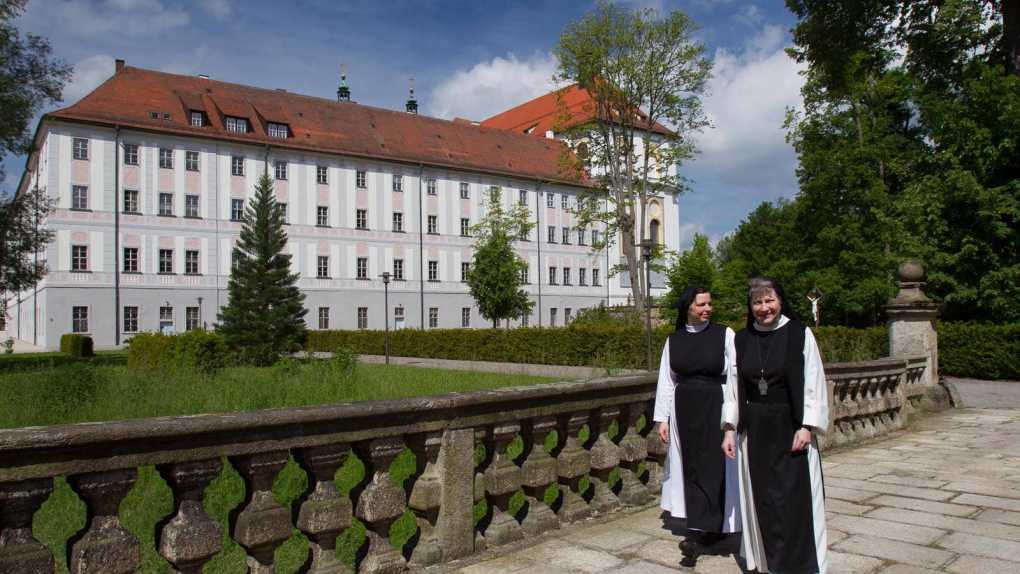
point(653, 230)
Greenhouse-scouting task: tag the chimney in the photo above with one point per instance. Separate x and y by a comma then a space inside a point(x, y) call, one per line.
point(412, 104)
point(343, 93)
point(118, 65)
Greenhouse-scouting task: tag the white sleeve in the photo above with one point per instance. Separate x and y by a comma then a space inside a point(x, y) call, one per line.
point(729, 408)
point(816, 399)
point(664, 390)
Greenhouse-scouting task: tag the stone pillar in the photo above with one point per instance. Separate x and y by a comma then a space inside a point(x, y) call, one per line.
point(539, 470)
point(323, 513)
point(192, 537)
point(502, 481)
point(19, 550)
point(380, 505)
point(105, 546)
point(455, 526)
point(656, 461)
point(426, 497)
point(572, 464)
point(912, 318)
point(633, 451)
point(263, 523)
point(605, 457)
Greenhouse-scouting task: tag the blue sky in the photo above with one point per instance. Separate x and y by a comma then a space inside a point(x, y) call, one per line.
point(468, 59)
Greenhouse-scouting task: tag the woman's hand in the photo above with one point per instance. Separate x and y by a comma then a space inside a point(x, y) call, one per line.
point(729, 444)
point(801, 440)
point(664, 431)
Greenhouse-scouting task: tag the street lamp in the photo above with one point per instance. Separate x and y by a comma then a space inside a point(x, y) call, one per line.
point(646, 256)
point(386, 311)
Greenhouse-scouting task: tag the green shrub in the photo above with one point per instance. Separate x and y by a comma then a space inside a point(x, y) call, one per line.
point(846, 344)
point(344, 361)
point(76, 345)
point(979, 350)
point(197, 351)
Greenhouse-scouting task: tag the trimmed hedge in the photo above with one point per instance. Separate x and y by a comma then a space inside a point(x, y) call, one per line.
point(848, 344)
point(76, 345)
point(980, 350)
point(194, 351)
point(35, 361)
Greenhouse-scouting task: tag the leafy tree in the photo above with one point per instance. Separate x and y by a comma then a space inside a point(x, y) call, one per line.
point(264, 316)
point(696, 266)
point(641, 72)
point(495, 275)
point(29, 79)
point(21, 238)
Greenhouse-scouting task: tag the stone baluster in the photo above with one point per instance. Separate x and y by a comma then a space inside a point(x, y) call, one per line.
point(263, 523)
point(191, 538)
point(605, 457)
point(105, 546)
point(539, 472)
point(19, 550)
point(656, 461)
point(480, 438)
point(426, 498)
point(502, 481)
point(323, 513)
point(633, 450)
point(572, 464)
point(380, 504)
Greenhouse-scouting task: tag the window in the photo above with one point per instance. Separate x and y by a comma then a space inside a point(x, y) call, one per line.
point(465, 269)
point(80, 148)
point(166, 158)
point(398, 269)
point(166, 318)
point(79, 197)
point(191, 160)
point(235, 259)
point(236, 209)
point(79, 258)
point(580, 237)
point(433, 222)
point(362, 317)
point(130, 260)
point(433, 317)
point(361, 219)
point(552, 317)
point(398, 182)
point(465, 191)
point(322, 176)
point(430, 186)
point(595, 277)
point(566, 276)
point(567, 311)
point(236, 165)
point(191, 322)
point(236, 125)
point(323, 267)
point(566, 236)
point(280, 169)
point(362, 268)
point(552, 234)
point(465, 227)
point(130, 201)
point(79, 319)
point(166, 116)
point(360, 179)
point(465, 316)
point(166, 204)
point(130, 154)
point(525, 275)
point(153, 115)
point(582, 276)
point(191, 262)
point(324, 317)
point(550, 200)
point(564, 201)
point(166, 261)
point(552, 275)
point(190, 206)
point(284, 212)
point(433, 271)
point(594, 236)
point(525, 319)
point(276, 130)
point(197, 119)
point(522, 197)
point(398, 222)
point(398, 316)
point(322, 216)
point(130, 319)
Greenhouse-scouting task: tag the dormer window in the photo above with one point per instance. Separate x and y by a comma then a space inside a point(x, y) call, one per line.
point(276, 130)
point(197, 119)
point(236, 125)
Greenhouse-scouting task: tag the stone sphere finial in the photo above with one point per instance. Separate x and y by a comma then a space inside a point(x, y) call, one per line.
point(911, 271)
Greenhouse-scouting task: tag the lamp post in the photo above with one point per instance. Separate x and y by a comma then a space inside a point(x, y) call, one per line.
point(646, 256)
point(386, 312)
point(202, 325)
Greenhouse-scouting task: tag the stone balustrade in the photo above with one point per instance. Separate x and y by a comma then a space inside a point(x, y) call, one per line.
point(590, 442)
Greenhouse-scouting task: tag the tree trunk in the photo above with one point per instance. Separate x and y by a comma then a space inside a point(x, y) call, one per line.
point(1011, 35)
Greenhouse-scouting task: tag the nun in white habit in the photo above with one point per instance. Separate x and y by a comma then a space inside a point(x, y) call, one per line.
point(773, 411)
point(699, 483)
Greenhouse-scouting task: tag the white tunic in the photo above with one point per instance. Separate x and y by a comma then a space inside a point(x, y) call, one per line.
point(672, 499)
point(816, 416)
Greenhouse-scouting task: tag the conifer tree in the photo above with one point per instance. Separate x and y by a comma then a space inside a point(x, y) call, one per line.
point(264, 316)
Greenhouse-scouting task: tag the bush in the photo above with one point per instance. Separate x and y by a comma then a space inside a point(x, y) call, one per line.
point(846, 344)
point(76, 345)
point(979, 350)
point(198, 351)
point(20, 363)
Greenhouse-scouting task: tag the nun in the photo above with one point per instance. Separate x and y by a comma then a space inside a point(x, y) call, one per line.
point(699, 483)
point(773, 412)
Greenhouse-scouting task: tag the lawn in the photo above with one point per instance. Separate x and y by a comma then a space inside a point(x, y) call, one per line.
point(80, 392)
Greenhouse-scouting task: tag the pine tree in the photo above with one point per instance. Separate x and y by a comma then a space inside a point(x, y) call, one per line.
point(264, 316)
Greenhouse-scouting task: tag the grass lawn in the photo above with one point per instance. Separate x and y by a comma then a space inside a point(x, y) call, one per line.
point(80, 392)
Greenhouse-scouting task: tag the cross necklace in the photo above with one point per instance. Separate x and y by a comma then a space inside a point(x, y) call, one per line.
point(763, 385)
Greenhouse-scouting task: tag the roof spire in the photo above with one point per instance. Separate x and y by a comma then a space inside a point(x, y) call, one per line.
point(412, 104)
point(343, 93)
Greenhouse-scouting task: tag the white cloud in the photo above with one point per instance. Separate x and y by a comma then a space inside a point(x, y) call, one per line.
point(493, 86)
point(217, 8)
point(87, 75)
point(133, 18)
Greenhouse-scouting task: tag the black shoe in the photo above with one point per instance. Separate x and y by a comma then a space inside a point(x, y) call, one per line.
point(689, 561)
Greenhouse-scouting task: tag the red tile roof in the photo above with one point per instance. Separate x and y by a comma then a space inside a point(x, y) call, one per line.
point(544, 113)
point(316, 124)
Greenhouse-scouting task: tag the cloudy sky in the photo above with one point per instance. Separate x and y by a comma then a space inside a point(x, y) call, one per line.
point(468, 58)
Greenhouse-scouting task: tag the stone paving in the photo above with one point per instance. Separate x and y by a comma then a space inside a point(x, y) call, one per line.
point(943, 496)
